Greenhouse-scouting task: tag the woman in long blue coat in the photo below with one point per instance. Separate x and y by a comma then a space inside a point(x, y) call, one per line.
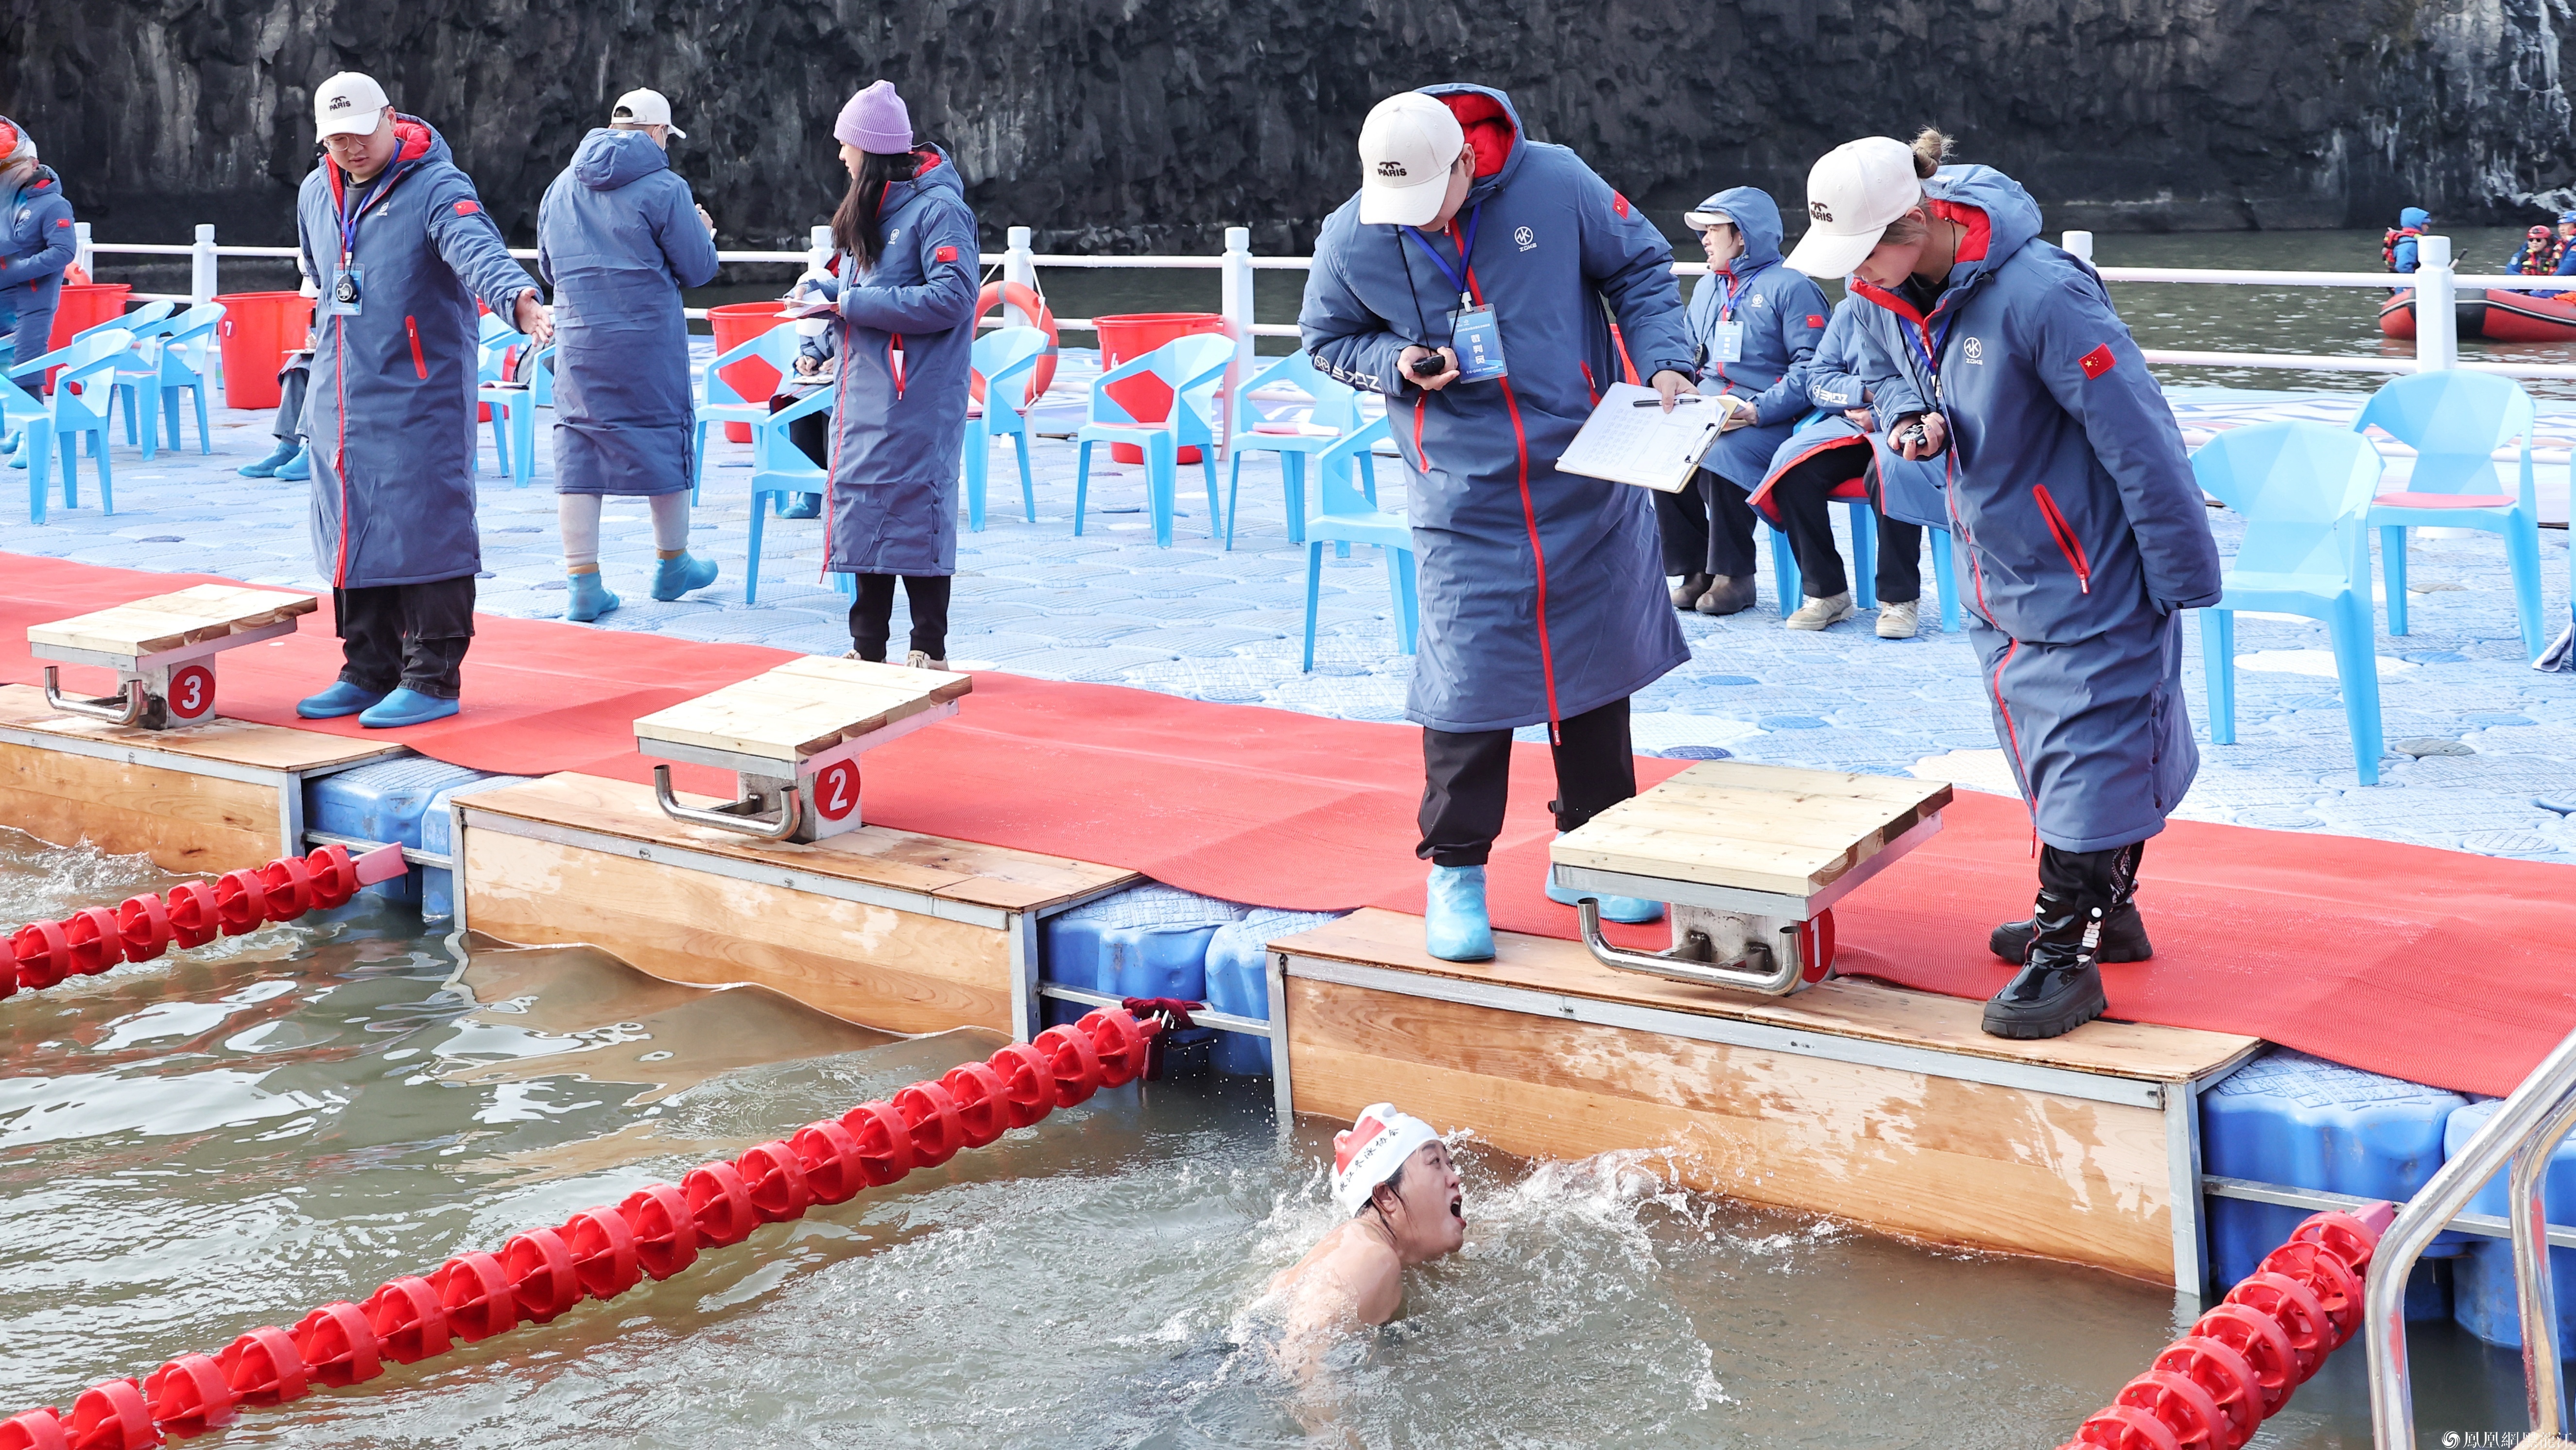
point(2072, 496)
point(37, 240)
point(906, 299)
point(1542, 601)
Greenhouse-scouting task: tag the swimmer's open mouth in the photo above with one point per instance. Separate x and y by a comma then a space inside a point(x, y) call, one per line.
point(1457, 1209)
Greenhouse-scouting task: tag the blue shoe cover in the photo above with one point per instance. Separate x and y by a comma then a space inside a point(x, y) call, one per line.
point(1455, 928)
point(341, 699)
point(675, 577)
point(1629, 909)
point(406, 707)
point(298, 468)
point(586, 598)
point(287, 451)
point(806, 506)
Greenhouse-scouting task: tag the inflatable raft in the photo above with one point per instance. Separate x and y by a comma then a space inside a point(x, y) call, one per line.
point(2491, 316)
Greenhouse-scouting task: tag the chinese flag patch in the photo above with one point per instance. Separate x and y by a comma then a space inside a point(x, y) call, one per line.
point(1618, 203)
point(1815, 320)
point(946, 254)
point(466, 208)
point(63, 222)
point(2097, 362)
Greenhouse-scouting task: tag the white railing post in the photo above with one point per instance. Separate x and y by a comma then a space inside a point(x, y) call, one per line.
point(201, 266)
point(2079, 244)
point(1018, 265)
point(1234, 299)
point(2437, 316)
point(818, 249)
point(81, 256)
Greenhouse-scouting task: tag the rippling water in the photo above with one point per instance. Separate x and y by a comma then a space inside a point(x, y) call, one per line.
point(193, 1147)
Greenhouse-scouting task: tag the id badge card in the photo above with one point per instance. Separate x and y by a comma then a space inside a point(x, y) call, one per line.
point(349, 291)
point(1726, 342)
point(1477, 337)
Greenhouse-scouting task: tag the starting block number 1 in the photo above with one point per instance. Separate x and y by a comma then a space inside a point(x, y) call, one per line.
point(836, 788)
point(192, 693)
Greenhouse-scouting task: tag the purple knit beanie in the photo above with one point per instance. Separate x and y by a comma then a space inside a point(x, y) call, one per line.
point(875, 120)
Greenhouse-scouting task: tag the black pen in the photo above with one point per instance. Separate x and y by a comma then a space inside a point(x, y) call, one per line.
point(1658, 402)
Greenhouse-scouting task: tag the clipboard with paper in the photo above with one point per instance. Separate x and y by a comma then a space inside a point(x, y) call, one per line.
point(1644, 445)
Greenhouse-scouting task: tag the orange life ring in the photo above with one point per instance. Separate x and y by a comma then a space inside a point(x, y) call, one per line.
point(1013, 294)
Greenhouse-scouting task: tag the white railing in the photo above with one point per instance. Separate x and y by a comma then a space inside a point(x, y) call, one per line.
point(2436, 282)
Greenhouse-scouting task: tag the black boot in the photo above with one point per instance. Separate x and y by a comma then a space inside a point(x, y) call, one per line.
point(1687, 593)
point(2124, 931)
point(2059, 987)
point(1727, 595)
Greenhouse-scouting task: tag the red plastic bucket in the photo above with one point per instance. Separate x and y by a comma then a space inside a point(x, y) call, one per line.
point(85, 305)
point(1146, 399)
point(259, 331)
point(734, 324)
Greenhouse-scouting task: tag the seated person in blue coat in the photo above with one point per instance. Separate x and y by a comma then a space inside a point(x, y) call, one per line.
point(2085, 532)
point(1467, 282)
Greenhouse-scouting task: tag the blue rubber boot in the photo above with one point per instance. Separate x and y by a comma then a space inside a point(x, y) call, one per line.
point(586, 598)
point(1455, 928)
point(341, 699)
point(406, 707)
point(675, 577)
point(298, 468)
point(1630, 909)
point(806, 506)
point(287, 449)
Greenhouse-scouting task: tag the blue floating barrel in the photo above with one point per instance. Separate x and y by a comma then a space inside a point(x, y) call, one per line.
point(1238, 981)
point(2482, 1294)
point(384, 803)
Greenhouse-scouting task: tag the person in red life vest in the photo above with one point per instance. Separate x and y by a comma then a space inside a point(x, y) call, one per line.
point(1472, 281)
point(2072, 495)
point(1402, 1207)
point(2397, 248)
point(2537, 256)
point(2566, 264)
point(401, 247)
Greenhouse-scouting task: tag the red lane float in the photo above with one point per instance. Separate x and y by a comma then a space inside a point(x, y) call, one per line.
point(658, 1230)
point(190, 914)
point(2213, 1387)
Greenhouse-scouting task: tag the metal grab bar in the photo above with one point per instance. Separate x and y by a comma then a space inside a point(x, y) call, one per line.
point(125, 707)
point(2523, 1132)
point(1781, 957)
point(734, 817)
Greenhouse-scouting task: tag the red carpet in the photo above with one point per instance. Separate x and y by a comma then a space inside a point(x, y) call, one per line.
point(2431, 965)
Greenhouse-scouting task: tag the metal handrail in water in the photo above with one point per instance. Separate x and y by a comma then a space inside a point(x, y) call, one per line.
point(2523, 1132)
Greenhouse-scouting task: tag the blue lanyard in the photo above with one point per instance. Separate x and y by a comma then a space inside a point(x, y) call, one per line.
point(1735, 285)
point(353, 208)
point(1932, 347)
point(1456, 275)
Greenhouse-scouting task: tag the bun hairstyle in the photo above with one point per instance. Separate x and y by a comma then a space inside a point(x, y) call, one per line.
point(1931, 149)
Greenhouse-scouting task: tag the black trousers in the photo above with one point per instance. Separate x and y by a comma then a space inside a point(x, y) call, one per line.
point(812, 434)
point(1807, 517)
point(872, 618)
point(1691, 544)
point(412, 635)
point(1467, 778)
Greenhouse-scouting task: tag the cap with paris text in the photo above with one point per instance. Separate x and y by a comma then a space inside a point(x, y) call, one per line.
point(1853, 192)
point(644, 108)
point(348, 104)
point(1407, 146)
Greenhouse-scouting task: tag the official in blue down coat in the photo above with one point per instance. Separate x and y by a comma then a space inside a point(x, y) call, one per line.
point(906, 302)
point(617, 238)
point(2084, 531)
point(37, 241)
point(1826, 457)
point(400, 245)
point(1753, 324)
point(1540, 594)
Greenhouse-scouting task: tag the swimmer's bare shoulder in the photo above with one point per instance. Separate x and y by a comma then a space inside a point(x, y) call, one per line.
point(1353, 1277)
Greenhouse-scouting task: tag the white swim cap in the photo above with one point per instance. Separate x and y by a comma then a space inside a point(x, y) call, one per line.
point(1372, 1150)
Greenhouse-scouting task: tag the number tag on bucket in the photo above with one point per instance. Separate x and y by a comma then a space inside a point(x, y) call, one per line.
point(1477, 337)
point(349, 291)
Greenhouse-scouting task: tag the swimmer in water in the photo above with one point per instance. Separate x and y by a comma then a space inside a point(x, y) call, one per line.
point(1392, 1175)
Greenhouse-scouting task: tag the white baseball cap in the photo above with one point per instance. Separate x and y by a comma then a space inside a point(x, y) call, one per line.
point(348, 104)
point(645, 108)
point(1407, 146)
point(1373, 1149)
point(1853, 192)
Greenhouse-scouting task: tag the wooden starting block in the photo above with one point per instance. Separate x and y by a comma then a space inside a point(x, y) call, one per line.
point(792, 738)
point(163, 650)
point(1750, 859)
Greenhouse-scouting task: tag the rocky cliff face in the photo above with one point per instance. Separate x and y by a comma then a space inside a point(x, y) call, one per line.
point(1116, 123)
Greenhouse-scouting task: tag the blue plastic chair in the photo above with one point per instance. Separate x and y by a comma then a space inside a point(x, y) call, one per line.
point(1003, 358)
point(514, 406)
point(25, 417)
point(1193, 368)
point(779, 467)
point(2304, 492)
point(719, 403)
point(2455, 421)
point(84, 397)
point(1788, 579)
point(172, 361)
point(1344, 516)
point(1336, 408)
point(145, 322)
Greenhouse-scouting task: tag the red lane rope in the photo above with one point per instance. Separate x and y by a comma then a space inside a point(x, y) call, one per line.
point(600, 1253)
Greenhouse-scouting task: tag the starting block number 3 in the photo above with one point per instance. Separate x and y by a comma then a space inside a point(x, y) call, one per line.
point(836, 788)
point(192, 693)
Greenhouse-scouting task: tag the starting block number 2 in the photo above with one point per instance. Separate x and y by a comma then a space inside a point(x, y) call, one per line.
point(836, 787)
point(192, 693)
